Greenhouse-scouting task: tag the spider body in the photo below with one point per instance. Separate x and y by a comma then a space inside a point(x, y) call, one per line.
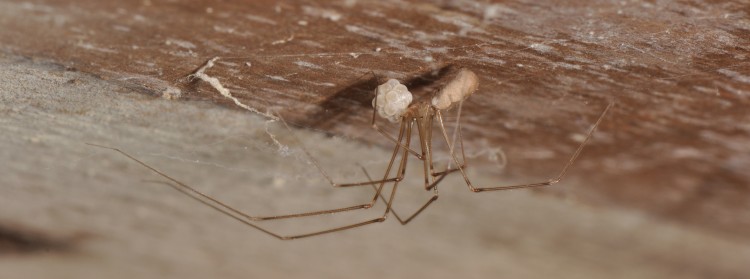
point(419, 109)
point(393, 100)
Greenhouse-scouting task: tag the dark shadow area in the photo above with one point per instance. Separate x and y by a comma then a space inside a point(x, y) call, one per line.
point(15, 240)
point(356, 99)
point(353, 99)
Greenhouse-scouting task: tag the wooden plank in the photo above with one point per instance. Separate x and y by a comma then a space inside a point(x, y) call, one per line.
point(676, 144)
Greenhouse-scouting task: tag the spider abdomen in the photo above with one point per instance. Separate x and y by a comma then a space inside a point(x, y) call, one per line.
point(458, 89)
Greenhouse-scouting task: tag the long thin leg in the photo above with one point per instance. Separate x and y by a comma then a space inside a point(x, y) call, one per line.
point(425, 205)
point(389, 137)
point(538, 184)
point(254, 218)
point(378, 192)
point(197, 195)
point(424, 125)
point(463, 157)
point(355, 207)
point(389, 203)
point(428, 135)
point(425, 145)
point(185, 189)
point(322, 171)
point(425, 136)
point(243, 218)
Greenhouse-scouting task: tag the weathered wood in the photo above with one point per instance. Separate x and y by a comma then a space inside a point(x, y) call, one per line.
point(677, 144)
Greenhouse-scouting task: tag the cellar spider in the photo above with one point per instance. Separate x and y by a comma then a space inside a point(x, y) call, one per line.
point(393, 102)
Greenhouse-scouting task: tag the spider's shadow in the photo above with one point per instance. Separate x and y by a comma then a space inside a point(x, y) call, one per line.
point(354, 102)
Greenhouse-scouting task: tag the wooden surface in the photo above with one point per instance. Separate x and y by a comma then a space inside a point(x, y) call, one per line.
point(676, 146)
point(68, 210)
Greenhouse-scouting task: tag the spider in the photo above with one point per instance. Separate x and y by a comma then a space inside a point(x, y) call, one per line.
point(393, 102)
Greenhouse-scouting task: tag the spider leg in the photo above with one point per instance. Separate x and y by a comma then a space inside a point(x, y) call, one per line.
point(190, 190)
point(245, 218)
point(386, 135)
point(424, 125)
point(378, 189)
point(425, 146)
point(389, 203)
point(407, 220)
point(399, 176)
point(529, 185)
point(264, 218)
point(239, 216)
point(448, 170)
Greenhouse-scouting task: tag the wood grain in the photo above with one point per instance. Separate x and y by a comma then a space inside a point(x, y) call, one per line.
point(677, 144)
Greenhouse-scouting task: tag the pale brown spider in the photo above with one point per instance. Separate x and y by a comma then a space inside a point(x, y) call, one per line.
point(393, 102)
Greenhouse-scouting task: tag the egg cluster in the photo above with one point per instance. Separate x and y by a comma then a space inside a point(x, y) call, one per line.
point(392, 100)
